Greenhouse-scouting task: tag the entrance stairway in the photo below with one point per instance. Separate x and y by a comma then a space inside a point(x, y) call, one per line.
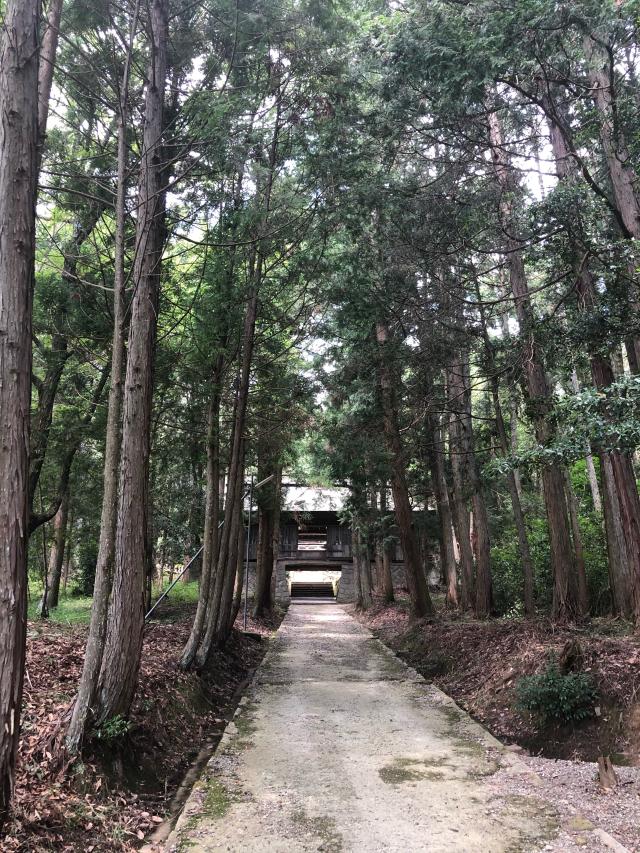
point(310, 589)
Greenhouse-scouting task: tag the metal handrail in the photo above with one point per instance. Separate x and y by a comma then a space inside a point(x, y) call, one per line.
point(200, 549)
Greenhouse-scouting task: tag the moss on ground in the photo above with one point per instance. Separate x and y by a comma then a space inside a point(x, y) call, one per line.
point(323, 827)
point(217, 800)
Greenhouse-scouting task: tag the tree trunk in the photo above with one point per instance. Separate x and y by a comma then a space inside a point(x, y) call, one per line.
point(512, 483)
point(48, 51)
point(216, 629)
point(461, 517)
point(591, 468)
point(88, 683)
point(386, 584)
point(362, 576)
point(581, 574)
point(224, 623)
point(276, 530)
point(241, 568)
point(468, 479)
point(56, 554)
point(125, 619)
point(267, 498)
point(211, 518)
point(621, 171)
point(421, 604)
point(68, 551)
point(218, 615)
point(18, 179)
point(565, 602)
point(435, 455)
point(621, 500)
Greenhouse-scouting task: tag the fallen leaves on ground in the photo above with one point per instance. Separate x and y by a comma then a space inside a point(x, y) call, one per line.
point(116, 796)
point(478, 663)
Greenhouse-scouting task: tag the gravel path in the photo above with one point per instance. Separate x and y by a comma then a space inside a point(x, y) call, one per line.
point(338, 746)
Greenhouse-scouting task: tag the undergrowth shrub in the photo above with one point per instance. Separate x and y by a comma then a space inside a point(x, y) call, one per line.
point(113, 729)
point(554, 697)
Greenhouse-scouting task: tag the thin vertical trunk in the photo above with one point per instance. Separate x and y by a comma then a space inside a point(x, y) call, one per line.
point(386, 581)
point(461, 517)
point(565, 602)
point(377, 543)
point(468, 485)
point(581, 573)
point(48, 51)
point(614, 145)
point(362, 577)
point(87, 686)
point(216, 627)
point(224, 622)
point(211, 519)
point(421, 604)
point(241, 568)
point(218, 616)
point(266, 498)
point(591, 468)
point(507, 447)
point(125, 619)
point(56, 554)
point(435, 454)
point(275, 545)
point(18, 180)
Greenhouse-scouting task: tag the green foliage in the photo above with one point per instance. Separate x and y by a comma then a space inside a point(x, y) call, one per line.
point(114, 729)
point(554, 697)
point(87, 557)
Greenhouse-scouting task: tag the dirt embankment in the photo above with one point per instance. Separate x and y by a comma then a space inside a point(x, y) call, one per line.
point(479, 663)
point(124, 787)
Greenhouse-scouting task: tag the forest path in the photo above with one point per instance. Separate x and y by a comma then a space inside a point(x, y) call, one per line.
point(338, 746)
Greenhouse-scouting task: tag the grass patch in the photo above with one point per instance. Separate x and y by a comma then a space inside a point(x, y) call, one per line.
point(76, 609)
point(182, 593)
point(71, 610)
point(217, 800)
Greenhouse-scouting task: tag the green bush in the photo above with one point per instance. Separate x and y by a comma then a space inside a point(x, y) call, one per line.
point(552, 696)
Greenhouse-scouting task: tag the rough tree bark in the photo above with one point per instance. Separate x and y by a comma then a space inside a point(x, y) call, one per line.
point(421, 604)
point(435, 455)
point(461, 517)
point(565, 602)
point(211, 517)
point(18, 177)
point(87, 686)
point(361, 563)
point(468, 479)
point(224, 622)
point(125, 618)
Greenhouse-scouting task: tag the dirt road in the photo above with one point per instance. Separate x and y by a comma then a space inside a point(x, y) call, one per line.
point(338, 746)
